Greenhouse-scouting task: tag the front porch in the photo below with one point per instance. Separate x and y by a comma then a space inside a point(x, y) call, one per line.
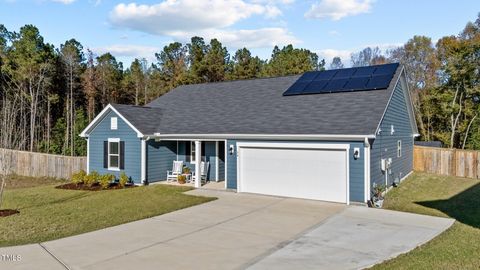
point(206, 157)
point(210, 185)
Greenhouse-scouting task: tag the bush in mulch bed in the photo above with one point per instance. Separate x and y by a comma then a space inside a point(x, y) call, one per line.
point(94, 187)
point(94, 182)
point(8, 212)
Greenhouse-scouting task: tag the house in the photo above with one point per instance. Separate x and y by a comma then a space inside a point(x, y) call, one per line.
point(325, 135)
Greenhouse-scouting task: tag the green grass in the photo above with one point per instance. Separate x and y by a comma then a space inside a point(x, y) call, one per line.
point(459, 198)
point(47, 213)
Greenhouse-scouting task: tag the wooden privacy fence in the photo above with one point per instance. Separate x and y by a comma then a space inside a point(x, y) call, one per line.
point(454, 162)
point(40, 164)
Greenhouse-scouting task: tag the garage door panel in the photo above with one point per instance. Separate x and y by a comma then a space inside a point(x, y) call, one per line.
point(303, 173)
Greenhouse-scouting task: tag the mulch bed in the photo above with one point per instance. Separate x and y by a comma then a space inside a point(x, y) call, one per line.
point(95, 187)
point(8, 212)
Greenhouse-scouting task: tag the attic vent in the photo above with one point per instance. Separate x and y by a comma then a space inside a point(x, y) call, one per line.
point(113, 123)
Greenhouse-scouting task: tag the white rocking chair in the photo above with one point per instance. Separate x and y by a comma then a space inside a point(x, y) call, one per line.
point(203, 171)
point(176, 171)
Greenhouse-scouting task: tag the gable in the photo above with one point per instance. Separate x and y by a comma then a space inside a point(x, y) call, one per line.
point(110, 111)
point(103, 126)
point(104, 116)
point(399, 109)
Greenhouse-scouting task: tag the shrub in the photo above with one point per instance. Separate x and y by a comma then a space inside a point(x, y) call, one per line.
point(123, 180)
point(181, 179)
point(92, 178)
point(106, 179)
point(78, 177)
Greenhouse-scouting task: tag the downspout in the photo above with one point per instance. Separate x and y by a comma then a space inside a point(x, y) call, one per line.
point(366, 153)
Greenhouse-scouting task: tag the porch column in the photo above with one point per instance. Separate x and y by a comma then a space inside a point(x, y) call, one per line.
point(143, 159)
point(198, 160)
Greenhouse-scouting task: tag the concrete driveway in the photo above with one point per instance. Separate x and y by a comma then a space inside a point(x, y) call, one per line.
point(356, 238)
point(227, 233)
point(238, 231)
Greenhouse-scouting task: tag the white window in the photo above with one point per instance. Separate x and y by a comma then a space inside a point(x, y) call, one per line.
point(113, 123)
point(114, 154)
point(399, 148)
point(192, 152)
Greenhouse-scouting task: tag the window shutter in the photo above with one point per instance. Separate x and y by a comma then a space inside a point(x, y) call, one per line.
point(203, 151)
point(122, 155)
point(105, 154)
point(188, 145)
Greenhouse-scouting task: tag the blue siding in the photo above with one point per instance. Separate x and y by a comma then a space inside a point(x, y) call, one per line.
point(209, 156)
point(101, 133)
point(356, 170)
point(231, 165)
point(357, 173)
point(385, 145)
point(160, 157)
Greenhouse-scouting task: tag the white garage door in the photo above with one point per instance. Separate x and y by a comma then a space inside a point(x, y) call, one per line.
point(319, 174)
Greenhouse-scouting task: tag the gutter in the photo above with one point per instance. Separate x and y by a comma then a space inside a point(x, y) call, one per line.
point(310, 137)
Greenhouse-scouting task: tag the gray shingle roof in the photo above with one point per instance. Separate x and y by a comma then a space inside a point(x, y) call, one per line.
point(145, 119)
point(257, 106)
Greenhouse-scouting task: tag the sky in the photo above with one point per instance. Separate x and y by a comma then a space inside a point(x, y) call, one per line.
point(137, 29)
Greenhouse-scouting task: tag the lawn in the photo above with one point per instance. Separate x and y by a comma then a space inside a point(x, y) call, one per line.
point(459, 198)
point(47, 213)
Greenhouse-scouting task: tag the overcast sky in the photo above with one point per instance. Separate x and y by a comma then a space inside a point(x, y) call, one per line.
point(327, 27)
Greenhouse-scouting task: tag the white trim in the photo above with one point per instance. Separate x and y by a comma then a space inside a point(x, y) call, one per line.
point(345, 147)
point(225, 157)
point(143, 161)
point(115, 140)
point(88, 155)
point(405, 177)
point(367, 170)
point(198, 157)
point(293, 145)
point(86, 132)
point(347, 161)
point(214, 137)
point(410, 105)
point(216, 161)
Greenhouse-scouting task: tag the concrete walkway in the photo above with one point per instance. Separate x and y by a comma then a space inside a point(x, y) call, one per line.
point(356, 238)
point(238, 231)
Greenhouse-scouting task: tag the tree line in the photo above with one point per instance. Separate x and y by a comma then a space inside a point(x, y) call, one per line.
point(48, 95)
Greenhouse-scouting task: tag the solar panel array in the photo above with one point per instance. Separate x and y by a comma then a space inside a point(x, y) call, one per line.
point(343, 80)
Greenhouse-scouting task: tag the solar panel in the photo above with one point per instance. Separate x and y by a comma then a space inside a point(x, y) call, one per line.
point(325, 75)
point(296, 88)
point(357, 83)
point(386, 69)
point(364, 71)
point(379, 82)
point(345, 73)
point(335, 85)
point(308, 76)
point(343, 80)
point(315, 87)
